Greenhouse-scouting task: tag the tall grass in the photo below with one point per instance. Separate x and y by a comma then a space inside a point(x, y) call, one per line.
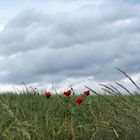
point(109, 116)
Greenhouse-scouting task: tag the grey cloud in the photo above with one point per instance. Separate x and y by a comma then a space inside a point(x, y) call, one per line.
point(37, 46)
point(32, 29)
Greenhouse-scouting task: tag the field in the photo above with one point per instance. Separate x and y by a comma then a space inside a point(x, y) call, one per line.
point(108, 116)
point(29, 116)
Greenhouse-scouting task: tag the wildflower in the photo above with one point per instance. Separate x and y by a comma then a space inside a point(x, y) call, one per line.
point(48, 94)
point(79, 100)
point(86, 93)
point(67, 93)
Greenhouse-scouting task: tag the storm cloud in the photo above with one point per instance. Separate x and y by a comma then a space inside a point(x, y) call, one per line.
point(92, 40)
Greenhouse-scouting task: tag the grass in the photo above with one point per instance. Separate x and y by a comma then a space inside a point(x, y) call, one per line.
point(29, 116)
point(109, 116)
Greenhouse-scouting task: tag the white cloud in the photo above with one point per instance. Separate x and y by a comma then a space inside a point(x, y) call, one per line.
point(1, 27)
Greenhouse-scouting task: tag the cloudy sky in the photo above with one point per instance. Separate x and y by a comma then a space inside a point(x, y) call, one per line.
point(68, 42)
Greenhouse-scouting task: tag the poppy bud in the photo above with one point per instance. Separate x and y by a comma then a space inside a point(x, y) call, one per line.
point(86, 93)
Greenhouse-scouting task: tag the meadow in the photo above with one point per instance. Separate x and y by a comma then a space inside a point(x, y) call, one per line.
point(34, 116)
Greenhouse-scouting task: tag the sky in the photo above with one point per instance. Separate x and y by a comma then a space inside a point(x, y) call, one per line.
point(68, 42)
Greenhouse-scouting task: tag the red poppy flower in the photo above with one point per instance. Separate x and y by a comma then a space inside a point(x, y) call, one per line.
point(48, 94)
point(79, 100)
point(67, 93)
point(86, 93)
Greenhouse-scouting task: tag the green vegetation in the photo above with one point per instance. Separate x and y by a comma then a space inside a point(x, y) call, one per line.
point(29, 116)
point(109, 116)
